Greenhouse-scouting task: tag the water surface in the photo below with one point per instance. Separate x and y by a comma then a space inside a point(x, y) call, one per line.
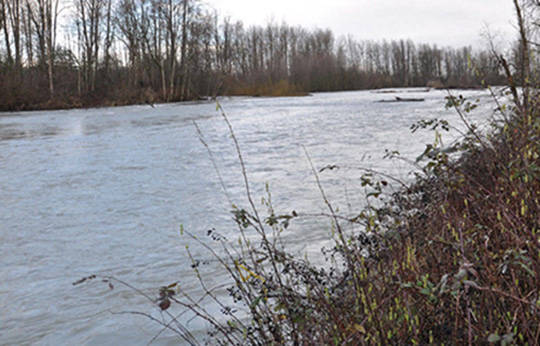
point(104, 191)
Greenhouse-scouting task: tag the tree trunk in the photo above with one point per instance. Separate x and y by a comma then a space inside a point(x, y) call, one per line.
point(4, 16)
point(524, 56)
point(183, 53)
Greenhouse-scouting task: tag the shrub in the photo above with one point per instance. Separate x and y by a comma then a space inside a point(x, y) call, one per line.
point(273, 89)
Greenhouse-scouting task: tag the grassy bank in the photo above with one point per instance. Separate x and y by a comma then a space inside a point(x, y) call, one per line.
point(24, 98)
point(11, 103)
point(16, 99)
point(269, 89)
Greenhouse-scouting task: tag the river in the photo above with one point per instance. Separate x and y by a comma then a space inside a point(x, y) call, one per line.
point(105, 191)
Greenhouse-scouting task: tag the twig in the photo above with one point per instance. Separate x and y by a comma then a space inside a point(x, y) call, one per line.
point(187, 337)
point(469, 127)
point(242, 164)
point(203, 141)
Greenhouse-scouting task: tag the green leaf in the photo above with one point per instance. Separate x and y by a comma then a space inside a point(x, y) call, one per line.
point(527, 269)
point(425, 291)
point(493, 338)
point(256, 302)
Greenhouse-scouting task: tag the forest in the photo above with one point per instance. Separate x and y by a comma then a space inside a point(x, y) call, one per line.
point(80, 53)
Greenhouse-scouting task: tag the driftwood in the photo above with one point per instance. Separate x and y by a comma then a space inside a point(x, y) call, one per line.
point(404, 99)
point(384, 91)
point(426, 90)
point(392, 91)
point(409, 99)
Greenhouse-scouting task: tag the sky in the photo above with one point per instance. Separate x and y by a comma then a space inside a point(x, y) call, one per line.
point(444, 22)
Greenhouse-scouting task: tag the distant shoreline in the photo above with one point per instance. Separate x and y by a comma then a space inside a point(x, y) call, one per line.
point(76, 103)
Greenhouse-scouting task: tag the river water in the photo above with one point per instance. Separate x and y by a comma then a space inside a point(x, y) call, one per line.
point(105, 191)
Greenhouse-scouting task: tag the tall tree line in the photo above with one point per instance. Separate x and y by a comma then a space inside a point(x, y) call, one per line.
point(90, 52)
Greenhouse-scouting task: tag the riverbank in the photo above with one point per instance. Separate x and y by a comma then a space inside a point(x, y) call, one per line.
point(457, 257)
point(74, 102)
point(149, 97)
point(79, 103)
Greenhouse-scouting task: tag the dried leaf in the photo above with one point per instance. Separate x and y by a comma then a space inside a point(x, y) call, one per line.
point(360, 328)
point(165, 304)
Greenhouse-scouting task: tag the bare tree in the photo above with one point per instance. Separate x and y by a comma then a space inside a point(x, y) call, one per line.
point(129, 17)
point(15, 12)
point(4, 22)
point(89, 17)
point(43, 14)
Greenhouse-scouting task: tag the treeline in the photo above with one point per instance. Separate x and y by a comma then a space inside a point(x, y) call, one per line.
point(106, 52)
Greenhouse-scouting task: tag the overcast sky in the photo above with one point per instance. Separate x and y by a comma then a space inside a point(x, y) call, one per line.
point(444, 22)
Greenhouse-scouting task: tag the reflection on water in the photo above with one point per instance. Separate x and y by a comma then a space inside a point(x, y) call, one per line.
point(106, 190)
